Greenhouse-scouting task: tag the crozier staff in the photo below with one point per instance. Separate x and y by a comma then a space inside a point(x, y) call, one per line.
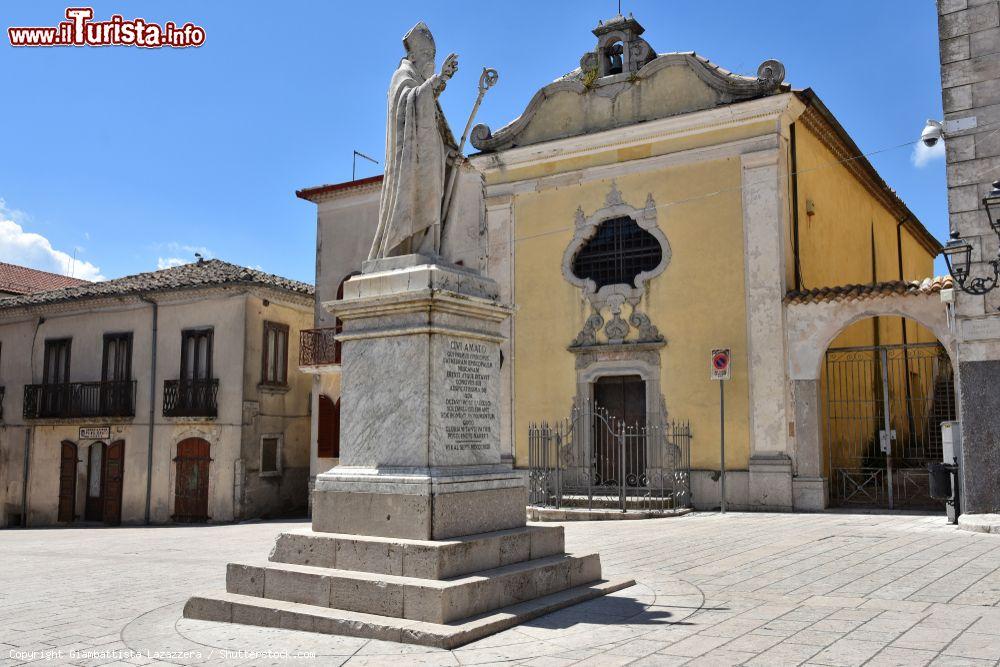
point(418, 143)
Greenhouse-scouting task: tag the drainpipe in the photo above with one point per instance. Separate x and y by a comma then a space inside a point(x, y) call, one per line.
point(797, 266)
point(28, 431)
point(24, 485)
point(152, 408)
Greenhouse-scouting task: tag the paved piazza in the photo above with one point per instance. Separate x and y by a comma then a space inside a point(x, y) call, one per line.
point(755, 589)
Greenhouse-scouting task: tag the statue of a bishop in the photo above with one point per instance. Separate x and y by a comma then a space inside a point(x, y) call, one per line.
point(418, 148)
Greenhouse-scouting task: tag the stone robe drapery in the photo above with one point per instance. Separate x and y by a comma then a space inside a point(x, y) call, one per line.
point(417, 144)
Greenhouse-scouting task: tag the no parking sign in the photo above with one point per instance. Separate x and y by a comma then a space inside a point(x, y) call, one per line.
point(720, 364)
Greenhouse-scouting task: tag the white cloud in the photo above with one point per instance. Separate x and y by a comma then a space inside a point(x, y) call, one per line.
point(34, 250)
point(167, 262)
point(923, 154)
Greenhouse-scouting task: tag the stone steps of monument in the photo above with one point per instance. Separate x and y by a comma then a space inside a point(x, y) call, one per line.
point(264, 612)
point(424, 559)
point(430, 600)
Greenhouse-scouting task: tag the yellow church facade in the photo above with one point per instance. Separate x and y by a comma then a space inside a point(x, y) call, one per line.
point(647, 209)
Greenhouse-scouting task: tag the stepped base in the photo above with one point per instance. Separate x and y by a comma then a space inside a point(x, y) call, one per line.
point(424, 559)
point(434, 592)
point(246, 610)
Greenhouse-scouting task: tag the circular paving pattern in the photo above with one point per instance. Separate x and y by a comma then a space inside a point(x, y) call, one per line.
point(572, 633)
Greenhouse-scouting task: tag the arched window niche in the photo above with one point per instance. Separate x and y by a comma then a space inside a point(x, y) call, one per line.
point(614, 254)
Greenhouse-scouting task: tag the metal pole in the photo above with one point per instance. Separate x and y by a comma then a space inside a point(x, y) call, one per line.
point(886, 420)
point(722, 443)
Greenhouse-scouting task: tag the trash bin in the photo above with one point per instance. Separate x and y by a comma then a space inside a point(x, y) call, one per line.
point(940, 480)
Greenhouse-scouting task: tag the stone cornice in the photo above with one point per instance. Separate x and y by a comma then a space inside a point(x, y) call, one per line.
point(697, 122)
point(730, 87)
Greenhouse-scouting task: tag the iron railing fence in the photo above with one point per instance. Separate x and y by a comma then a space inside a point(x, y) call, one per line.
point(190, 398)
point(67, 400)
point(318, 347)
point(883, 408)
point(594, 461)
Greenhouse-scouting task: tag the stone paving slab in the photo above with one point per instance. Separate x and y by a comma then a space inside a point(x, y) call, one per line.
point(753, 589)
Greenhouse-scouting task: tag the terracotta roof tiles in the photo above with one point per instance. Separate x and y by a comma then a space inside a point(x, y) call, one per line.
point(871, 290)
point(206, 273)
point(23, 280)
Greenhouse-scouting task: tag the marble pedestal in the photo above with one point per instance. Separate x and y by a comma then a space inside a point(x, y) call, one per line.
point(419, 535)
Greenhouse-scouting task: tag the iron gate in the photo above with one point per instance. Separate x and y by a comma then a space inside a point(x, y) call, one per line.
point(884, 408)
point(593, 460)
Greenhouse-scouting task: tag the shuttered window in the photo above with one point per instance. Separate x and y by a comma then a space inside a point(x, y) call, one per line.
point(275, 359)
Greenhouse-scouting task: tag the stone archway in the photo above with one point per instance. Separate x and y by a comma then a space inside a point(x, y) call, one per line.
point(812, 321)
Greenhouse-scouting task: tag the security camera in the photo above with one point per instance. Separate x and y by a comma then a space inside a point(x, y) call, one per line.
point(933, 133)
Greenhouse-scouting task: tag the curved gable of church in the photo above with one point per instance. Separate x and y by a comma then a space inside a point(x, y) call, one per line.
point(623, 82)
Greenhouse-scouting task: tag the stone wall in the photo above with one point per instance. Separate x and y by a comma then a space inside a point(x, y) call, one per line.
point(970, 81)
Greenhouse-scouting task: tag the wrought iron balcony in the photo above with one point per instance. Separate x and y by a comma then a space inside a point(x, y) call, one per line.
point(318, 347)
point(68, 400)
point(190, 398)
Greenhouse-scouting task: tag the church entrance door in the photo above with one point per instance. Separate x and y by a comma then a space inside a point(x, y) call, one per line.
point(619, 441)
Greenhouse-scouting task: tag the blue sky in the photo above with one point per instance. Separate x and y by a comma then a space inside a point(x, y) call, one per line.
point(130, 158)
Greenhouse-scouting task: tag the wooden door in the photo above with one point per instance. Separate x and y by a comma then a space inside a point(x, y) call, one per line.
point(94, 509)
point(114, 471)
point(328, 437)
point(67, 482)
point(191, 488)
point(623, 397)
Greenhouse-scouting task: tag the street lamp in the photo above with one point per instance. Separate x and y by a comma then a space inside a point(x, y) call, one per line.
point(958, 253)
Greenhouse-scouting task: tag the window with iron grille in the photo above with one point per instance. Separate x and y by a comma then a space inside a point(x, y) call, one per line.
point(618, 252)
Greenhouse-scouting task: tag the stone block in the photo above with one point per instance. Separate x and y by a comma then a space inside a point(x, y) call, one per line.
point(585, 570)
point(956, 48)
point(970, 172)
point(985, 96)
point(297, 585)
point(771, 482)
point(476, 598)
point(956, 98)
point(263, 616)
point(293, 620)
point(980, 435)
point(380, 514)
point(514, 548)
point(303, 549)
point(969, 20)
point(209, 609)
point(984, 42)
point(424, 603)
point(964, 198)
point(547, 541)
point(367, 595)
point(469, 555)
point(949, 6)
point(457, 514)
point(245, 580)
point(381, 557)
point(960, 148)
point(809, 494)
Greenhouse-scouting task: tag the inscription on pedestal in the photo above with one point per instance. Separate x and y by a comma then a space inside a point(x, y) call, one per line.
point(469, 414)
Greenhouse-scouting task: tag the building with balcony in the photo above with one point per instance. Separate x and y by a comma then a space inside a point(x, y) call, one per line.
point(158, 397)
